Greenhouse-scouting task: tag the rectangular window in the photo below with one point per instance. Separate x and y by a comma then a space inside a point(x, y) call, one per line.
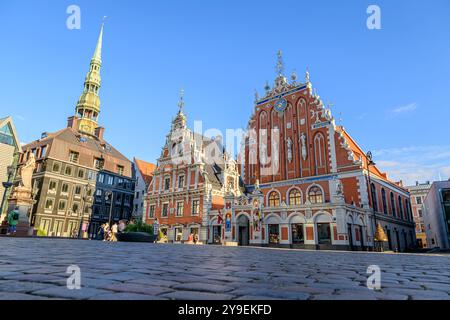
point(195, 207)
point(73, 156)
point(62, 205)
point(151, 212)
point(91, 175)
point(77, 190)
point(52, 186)
point(49, 204)
point(166, 183)
point(75, 207)
point(181, 182)
point(120, 170)
point(68, 171)
point(43, 151)
point(99, 163)
point(165, 210)
point(110, 180)
point(419, 200)
point(180, 206)
point(81, 174)
point(101, 178)
point(56, 167)
point(65, 188)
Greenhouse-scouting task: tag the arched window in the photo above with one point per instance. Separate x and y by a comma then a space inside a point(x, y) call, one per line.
point(400, 206)
point(315, 195)
point(408, 211)
point(319, 151)
point(393, 206)
point(274, 199)
point(374, 197)
point(295, 197)
point(383, 198)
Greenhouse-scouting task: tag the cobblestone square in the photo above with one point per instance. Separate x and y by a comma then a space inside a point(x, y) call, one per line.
point(36, 269)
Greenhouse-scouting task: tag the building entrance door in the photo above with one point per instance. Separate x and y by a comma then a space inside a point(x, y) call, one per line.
point(361, 236)
point(217, 234)
point(243, 230)
point(350, 236)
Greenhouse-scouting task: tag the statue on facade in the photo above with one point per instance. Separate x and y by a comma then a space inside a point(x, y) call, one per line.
point(303, 142)
point(289, 150)
point(26, 172)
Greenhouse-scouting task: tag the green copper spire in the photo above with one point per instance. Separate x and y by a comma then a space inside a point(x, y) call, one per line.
point(98, 49)
point(88, 107)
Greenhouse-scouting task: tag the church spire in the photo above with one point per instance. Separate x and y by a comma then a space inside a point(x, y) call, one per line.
point(88, 106)
point(98, 49)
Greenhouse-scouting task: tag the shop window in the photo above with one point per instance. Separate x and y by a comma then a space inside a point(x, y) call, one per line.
point(274, 234)
point(297, 234)
point(324, 233)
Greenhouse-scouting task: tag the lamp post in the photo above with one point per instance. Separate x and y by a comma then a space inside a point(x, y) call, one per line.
point(34, 193)
point(7, 184)
point(370, 163)
point(83, 204)
point(107, 195)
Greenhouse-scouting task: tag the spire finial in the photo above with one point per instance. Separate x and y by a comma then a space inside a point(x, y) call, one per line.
point(307, 75)
point(280, 65)
point(181, 102)
point(294, 76)
point(98, 49)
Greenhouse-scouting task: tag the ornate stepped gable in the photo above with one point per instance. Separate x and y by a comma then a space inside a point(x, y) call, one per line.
point(306, 130)
point(185, 148)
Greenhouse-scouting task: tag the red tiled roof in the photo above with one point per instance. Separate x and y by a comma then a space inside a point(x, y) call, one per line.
point(146, 169)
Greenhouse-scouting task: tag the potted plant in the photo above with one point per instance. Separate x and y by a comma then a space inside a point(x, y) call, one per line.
point(137, 232)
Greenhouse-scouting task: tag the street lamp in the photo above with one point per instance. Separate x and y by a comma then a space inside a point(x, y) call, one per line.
point(34, 193)
point(83, 204)
point(109, 194)
point(370, 163)
point(7, 184)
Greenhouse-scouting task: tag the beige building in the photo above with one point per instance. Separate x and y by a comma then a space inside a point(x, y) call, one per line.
point(9, 152)
point(418, 194)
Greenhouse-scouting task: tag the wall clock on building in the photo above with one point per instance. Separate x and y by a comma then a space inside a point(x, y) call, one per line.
point(280, 105)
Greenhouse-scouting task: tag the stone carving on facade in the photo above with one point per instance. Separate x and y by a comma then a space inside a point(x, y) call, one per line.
point(289, 149)
point(263, 153)
point(346, 146)
point(304, 151)
point(315, 114)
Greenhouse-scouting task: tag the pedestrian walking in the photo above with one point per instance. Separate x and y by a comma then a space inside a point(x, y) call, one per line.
point(114, 230)
point(13, 220)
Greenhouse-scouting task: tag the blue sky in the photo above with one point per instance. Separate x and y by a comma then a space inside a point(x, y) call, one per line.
point(391, 87)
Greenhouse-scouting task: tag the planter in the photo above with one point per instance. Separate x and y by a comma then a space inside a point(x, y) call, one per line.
point(136, 237)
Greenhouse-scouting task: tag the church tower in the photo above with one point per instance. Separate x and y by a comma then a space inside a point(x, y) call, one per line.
point(88, 106)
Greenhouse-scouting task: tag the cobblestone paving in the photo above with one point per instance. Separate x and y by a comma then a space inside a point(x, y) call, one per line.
point(36, 269)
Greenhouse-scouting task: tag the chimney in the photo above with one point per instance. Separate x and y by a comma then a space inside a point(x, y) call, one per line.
point(99, 131)
point(72, 122)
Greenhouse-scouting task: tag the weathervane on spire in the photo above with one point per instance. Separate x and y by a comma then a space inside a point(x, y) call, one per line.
point(280, 65)
point(181, 102)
